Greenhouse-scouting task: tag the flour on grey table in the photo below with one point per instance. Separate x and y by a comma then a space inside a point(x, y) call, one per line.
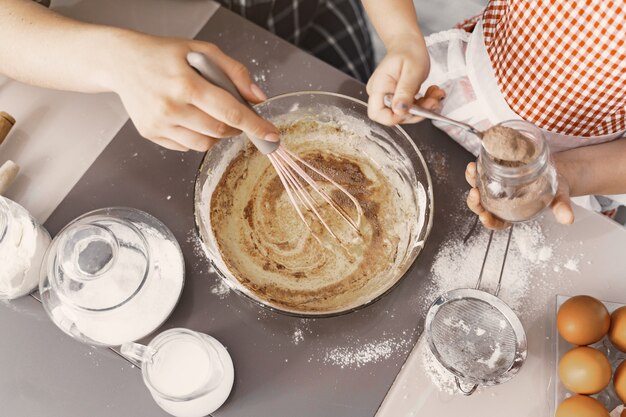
point(572, 265)
point(221, 289)
point(457, 265)
point(201, 261)
point(298, 336)
point(357, 354)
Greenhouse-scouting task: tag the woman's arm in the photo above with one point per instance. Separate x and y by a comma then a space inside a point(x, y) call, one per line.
point(589, 170)
point(43, 48)
point(168, 101)
point(406, 65)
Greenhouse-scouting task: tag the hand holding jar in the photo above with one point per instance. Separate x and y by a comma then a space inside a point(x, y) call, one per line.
point(503, 193)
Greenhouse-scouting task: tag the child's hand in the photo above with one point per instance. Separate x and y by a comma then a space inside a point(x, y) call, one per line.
point(401, 73)
point(174, 106)
point(561, 205)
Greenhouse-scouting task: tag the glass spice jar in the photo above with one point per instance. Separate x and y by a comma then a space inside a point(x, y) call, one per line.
point(515, 191)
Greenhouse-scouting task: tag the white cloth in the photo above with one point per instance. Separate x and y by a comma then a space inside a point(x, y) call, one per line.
point(460, 65)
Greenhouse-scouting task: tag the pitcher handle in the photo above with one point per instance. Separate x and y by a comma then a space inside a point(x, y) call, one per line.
point(138, 352)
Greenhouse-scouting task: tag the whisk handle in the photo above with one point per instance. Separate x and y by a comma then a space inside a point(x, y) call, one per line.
point(214, 74)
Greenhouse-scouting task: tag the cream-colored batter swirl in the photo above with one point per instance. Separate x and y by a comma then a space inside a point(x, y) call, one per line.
point(270, 251)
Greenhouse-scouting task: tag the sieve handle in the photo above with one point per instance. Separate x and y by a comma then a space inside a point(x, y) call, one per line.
point(466, 393)
point(482, 268)
point(506, 252)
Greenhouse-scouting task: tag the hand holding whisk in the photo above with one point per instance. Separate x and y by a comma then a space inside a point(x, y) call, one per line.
point(305, 194)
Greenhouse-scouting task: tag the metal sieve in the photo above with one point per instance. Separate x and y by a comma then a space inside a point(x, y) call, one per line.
point(475, 335)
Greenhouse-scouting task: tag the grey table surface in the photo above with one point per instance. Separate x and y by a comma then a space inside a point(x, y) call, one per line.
point(284, 366)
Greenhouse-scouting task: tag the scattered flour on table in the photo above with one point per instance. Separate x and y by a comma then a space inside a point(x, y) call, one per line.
point(572, 265)
point(301, 330)
point(361, 355)
point(200, 259)
point(221, 289)
point(457, 265)
point(298, 336)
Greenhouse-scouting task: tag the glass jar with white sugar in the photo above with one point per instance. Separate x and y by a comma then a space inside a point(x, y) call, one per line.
point(23, 243)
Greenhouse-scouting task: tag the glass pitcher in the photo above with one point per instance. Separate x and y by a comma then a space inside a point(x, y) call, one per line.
point(189, 374)
point(112, 276)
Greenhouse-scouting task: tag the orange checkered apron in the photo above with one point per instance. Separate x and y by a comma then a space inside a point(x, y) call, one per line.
point(560, 64)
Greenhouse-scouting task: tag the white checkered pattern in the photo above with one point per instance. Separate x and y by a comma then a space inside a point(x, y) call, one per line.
point(561, 64)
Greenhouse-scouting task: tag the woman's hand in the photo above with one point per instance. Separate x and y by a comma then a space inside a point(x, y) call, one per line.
point(174, 106)
point(561, 205)
point(401, 73)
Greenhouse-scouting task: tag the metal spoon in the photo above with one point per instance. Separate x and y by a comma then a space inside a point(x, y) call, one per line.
point(512, 147)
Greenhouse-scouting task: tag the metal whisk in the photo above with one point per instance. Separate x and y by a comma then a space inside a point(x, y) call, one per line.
point(291, 169)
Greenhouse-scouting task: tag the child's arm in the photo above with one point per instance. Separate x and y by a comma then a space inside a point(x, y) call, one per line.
point(406, 65)
point(168, 102)
point(597, 169)
point(590, 170)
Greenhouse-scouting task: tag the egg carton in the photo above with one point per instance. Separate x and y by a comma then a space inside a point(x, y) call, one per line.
point(607, 396)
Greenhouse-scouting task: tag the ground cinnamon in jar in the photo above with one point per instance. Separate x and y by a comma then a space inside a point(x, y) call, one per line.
point(517, 191)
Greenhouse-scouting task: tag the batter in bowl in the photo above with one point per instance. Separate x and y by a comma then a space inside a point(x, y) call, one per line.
point(272, 253)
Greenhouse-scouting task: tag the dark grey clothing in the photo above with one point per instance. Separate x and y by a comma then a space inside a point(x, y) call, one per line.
point(333, 30)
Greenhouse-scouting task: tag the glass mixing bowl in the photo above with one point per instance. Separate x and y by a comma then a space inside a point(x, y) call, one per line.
point(395, 154)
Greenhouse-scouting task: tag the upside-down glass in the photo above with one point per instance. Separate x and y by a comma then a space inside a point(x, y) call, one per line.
point(325, 108)
point(111, 276)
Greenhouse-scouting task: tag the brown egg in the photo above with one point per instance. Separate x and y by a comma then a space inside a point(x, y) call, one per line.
point(583, 320)
point(581, 406)
point(619, 381)
point(617, 332)
point(585, 370)
point(623, 413)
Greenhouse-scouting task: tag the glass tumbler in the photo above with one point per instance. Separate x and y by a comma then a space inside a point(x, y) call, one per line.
point(189, 374)
point(23, 243)
point(517, 193)
point(112, 276)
